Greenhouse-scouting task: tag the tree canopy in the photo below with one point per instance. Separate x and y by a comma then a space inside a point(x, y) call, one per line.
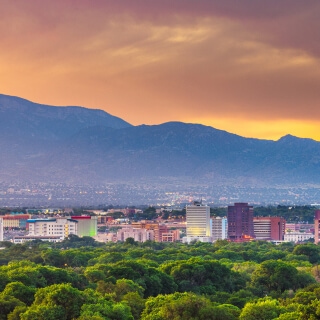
point(81, 280)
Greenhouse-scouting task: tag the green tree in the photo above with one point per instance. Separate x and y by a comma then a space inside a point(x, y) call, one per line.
point(148, 214)
point(120, 288)
point(19, 291)
point(186, 306)
point(310, 250)
point(26, 272)
point(17, 311)
point(294, 315)
point(277, 276)
point(135, 302)
point(106, 310)
point(53, 257)
point(44, 312)
point(261, 310)
point(130, 241)
point(152, 280)
point(203, 276)
point(94, 275)
point(7, 305)
point(55, 298)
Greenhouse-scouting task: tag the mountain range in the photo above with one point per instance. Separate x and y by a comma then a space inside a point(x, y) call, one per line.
point(41, 143)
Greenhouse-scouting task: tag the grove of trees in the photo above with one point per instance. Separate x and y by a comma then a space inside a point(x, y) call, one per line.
point(81, 279)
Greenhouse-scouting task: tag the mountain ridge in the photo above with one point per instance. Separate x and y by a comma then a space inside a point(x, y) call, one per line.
point(93, 146)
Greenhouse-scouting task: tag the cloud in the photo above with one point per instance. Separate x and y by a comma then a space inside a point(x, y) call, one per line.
point(155, 61)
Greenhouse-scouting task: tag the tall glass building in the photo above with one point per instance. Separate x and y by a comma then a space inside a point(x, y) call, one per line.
point(198, 222)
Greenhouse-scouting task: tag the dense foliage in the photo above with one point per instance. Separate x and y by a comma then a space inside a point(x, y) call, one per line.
point(82, 279)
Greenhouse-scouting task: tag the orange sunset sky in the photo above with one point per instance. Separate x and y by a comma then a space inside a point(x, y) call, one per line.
point(247, 67)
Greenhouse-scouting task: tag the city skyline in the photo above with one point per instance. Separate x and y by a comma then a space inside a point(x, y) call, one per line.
point(250, 68)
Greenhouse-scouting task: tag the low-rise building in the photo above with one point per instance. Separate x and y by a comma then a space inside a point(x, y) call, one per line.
point(195, 238)
point(15, 220)
point(171, 236)
point(158, 228)
point(138, 234)
point(298, 236)
point(63, 227)
point(23, 239)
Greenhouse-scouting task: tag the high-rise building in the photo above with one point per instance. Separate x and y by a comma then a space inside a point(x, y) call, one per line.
point(198, 223)
point(269, 228)
point(219, 228)
point(316, 226)
point(240, 222)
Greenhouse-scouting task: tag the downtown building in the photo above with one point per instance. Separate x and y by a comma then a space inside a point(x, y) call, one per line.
point(138, 234)
point(219, 228)
point(269, 228)
point(16, 220)
point(198, 223)
point(144, 230)
point(298, 237)
point(316, 226)
point(158, 228)
point(240, 222)
point(57, 229)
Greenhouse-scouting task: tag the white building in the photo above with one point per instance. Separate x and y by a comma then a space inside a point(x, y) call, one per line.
point(219, 228)
point(138, 234)
point(198, 223)
point(23, 239)
point(297, 236)
point(61, 227)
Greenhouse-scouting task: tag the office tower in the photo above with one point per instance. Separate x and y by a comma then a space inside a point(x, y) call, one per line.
point(240, 222)
point(316, 226)
point(219, 228)
point(198, 222)
point(269, 228)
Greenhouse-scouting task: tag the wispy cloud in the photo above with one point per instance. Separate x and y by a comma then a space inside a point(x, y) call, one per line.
point(224, 63)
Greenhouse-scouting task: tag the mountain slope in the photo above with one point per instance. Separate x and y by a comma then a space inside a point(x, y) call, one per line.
point(76, 145)
point(184, 151)
point(32, 119)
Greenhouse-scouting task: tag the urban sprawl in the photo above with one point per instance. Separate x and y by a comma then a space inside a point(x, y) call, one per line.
point(193, 223)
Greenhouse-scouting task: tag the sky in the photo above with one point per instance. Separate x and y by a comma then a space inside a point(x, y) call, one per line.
point(247, 67)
